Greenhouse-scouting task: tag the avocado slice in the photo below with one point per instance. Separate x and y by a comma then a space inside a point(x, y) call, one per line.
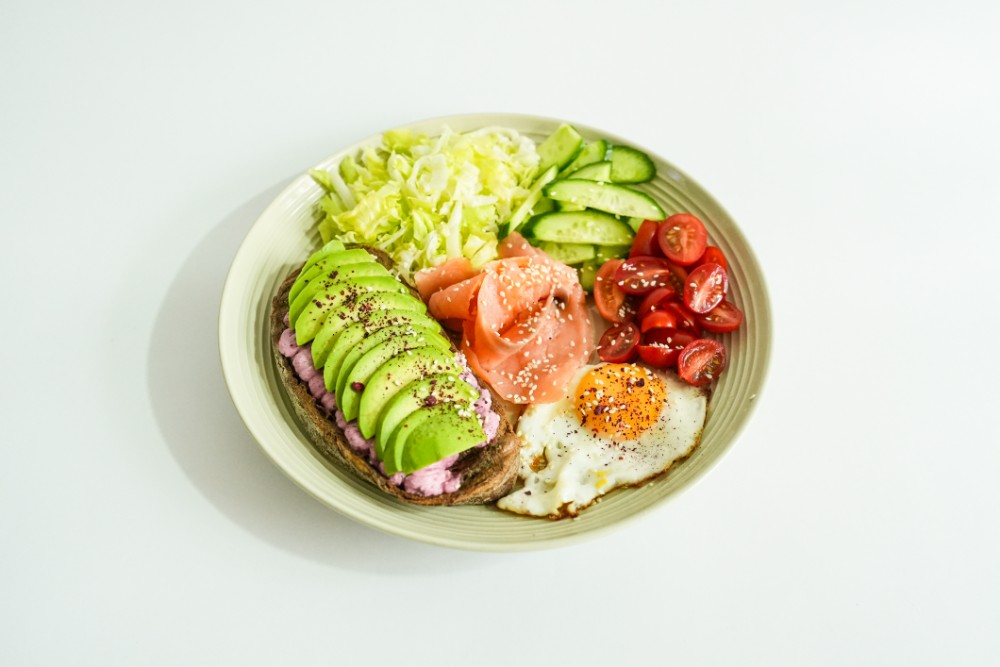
point(311, 319)
point(342, 344)
point(335, 245)
point(365, 358)
point(445, 387)
point(328, 334)
point(454, 430)
point(359, 337)
point(393, 453)
point(430, 434)
point(332, 260)
point(393, 376)
point(415, 336)
point(359, 310)
point(326, 280)
point(369, 303)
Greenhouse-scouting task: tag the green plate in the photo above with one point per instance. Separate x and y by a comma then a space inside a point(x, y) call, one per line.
point(285, 235)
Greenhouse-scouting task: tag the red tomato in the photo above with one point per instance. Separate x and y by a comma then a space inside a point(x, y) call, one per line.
point(641, 275)
point(645, 243)
point(610, 300)
point(722, 319)
point(618, 343)
point(660, 347)
point(678, 277)
point(686, 320)
point(713, 256)
point(683, 238)
point(706, 288)
point(701, 361)
point(659, 319)
point(655, 301)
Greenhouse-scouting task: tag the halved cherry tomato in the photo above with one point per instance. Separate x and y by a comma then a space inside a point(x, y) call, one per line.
point(706, 288)
point(722, 319)
point(686, 320)
point(713, 256)
point(678, 277)
point(618, 343)
point(655, 301)
point(683, 238)
point(641, 275)
point(660, 347)
point(645, 243)
point(701, 361)
point(610, 300)
point(658, 319)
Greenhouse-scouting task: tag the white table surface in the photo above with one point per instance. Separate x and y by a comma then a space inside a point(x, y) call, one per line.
point(854, 522)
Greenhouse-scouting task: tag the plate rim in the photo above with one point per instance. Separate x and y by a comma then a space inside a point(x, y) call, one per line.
point(748, 257)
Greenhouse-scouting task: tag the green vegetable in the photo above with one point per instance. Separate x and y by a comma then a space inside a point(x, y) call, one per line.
point(630, 166)
point(603, 253)
point(569, 253)
point(425, 199)
point(616, 199)
point(592, 227)
point(591, 153)
point(528, 205)
point(560, 147)
point(595, 171)
point(588, 275)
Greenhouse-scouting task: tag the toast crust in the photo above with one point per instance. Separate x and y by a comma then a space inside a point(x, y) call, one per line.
point(487, 473)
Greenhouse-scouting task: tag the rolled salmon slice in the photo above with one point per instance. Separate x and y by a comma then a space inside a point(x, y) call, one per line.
point(458, 301)
point(525, 324)
point(452, 271)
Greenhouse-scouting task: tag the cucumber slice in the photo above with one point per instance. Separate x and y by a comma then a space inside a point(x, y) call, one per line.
point(522, 212)
point(588, 275)
point(634, 223)
point(560, 148)
point(598, 171)
point(603, 253)
point(591, 227)
point(592, 152)
point(569, 206)
point(544, 205)
point(569, 253)
point(630, 166)
point(616, 199)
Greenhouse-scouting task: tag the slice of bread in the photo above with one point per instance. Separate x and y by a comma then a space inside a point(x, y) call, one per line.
point(487, 473)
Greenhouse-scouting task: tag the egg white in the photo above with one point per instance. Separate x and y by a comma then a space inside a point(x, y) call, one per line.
point(580, 466)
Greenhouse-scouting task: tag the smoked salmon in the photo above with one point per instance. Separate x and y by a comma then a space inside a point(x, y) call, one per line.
point(524, 321)
point(450, 272)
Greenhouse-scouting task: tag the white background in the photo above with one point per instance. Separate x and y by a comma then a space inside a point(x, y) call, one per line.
point(854, 522)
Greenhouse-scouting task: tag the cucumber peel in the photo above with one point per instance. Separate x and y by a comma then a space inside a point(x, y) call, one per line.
point(607, 197)
point(591, 227)
point(560, 148)
point(629, 165)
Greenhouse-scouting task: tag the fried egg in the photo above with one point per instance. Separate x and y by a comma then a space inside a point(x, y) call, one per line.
point(620, 425)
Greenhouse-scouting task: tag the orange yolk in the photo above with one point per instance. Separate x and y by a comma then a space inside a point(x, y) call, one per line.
point(619, 401)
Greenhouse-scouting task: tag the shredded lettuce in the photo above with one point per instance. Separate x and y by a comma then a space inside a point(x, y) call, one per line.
point(426, 199)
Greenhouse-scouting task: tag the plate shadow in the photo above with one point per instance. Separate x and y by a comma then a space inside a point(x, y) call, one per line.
point(206, 436)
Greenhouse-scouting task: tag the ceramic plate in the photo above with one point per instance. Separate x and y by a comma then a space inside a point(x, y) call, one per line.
point(285, 235)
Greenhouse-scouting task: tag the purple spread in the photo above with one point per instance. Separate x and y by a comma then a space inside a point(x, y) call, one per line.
point(433, 480)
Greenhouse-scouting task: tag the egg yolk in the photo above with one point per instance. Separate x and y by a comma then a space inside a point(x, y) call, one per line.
point(619, 401)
